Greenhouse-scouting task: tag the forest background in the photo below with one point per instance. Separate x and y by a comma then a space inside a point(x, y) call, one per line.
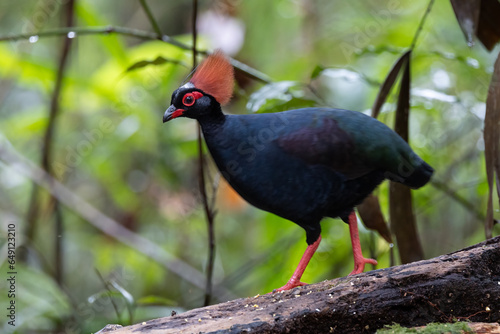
point(117, 233)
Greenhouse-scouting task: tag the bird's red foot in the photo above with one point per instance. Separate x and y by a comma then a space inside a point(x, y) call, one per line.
point(359, 265)
point(294, 281)
point(290, 285)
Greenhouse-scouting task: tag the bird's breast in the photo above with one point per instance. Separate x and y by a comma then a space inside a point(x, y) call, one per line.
point(267, 177)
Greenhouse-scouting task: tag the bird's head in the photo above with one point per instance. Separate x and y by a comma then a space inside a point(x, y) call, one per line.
point(210, 87)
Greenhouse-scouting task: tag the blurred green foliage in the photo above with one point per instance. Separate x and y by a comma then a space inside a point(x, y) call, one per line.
point(112, 149)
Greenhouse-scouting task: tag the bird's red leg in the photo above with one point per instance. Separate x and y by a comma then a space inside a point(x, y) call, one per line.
point(359, 260)
point(304, 261)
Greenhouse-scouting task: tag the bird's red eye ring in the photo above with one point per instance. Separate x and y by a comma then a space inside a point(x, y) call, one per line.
point(188, 100)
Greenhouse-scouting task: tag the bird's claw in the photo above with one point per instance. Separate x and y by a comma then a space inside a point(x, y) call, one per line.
point(290, 285)
point(359, 266)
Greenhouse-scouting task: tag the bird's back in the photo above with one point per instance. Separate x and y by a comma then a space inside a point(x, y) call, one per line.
point(311, 162)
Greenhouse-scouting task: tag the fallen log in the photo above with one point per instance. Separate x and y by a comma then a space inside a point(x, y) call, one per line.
point(461, 286)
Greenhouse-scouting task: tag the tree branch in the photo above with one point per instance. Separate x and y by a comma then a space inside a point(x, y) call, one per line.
point(150, 16)
point(141, 34)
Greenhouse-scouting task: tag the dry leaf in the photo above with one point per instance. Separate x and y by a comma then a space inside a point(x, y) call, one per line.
point(467, 13)
point(388, 83)
point(488, 29)
point(400, 200)
point(479, 18)
point(372, 217)
point(492, 142)
point(369, 209)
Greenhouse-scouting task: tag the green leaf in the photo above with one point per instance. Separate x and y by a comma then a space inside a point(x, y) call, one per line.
point(113, 44)
point(129, 299)
point(102, 294)
point(156, 300)
point(317, 71)
point(157, 61)
point(279, 96)
point(126, 295)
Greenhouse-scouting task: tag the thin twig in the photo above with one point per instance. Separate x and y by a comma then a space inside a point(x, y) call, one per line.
point(141, 34)
point(110, 294)
point(103, 223)
point(137, 33)
point(49, 140)
point(194, 32)
point(209, 212)
point(421, 24)
point(151, 18)
point(209, 215)
point(215, 186)
point(46, 156)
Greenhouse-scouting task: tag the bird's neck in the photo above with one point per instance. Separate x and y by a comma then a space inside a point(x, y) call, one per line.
point(212, 121)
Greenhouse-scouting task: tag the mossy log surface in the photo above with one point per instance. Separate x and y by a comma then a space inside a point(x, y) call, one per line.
point(463, 285)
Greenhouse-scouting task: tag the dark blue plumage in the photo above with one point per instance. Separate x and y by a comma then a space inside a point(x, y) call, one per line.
point(311, 163)
point(303, 164)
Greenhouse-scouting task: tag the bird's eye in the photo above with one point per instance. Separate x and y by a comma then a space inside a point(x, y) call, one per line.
point(188, 99)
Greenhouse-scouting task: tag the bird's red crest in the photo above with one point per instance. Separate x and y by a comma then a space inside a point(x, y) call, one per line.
point(215, 76)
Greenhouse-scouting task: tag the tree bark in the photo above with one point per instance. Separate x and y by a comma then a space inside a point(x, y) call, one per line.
point(463, 285)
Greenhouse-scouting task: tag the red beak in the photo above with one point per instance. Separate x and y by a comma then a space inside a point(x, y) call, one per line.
point(171, 113)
